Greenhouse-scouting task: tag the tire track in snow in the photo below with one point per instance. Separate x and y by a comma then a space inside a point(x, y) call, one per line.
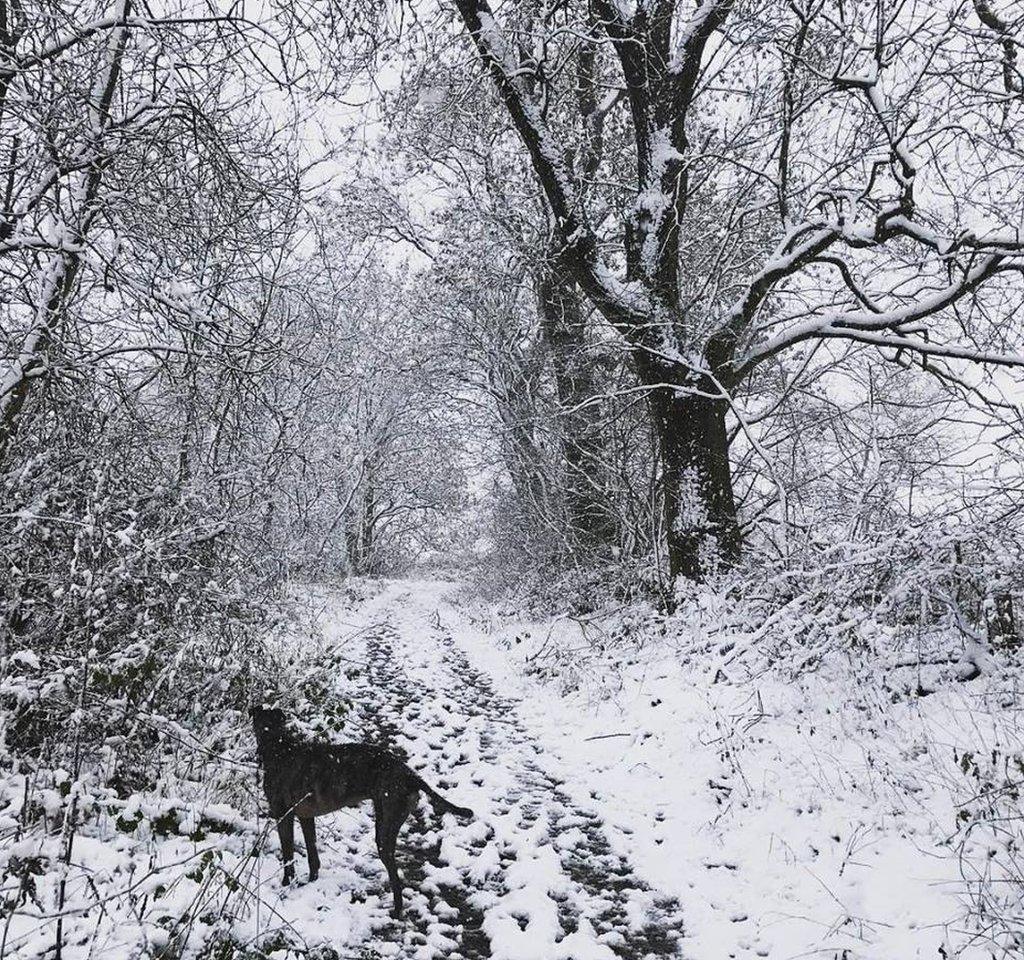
point(534, 876)
point(606, 877)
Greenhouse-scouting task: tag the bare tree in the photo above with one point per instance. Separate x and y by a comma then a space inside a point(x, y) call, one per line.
point(796, 174)
point(137, 187)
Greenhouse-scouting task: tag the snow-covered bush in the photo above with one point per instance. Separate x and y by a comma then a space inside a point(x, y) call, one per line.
point(125, 595)
point(990, 842)
point(945, 587)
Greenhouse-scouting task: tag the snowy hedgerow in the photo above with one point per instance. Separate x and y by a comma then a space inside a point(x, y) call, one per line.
point(123, 595)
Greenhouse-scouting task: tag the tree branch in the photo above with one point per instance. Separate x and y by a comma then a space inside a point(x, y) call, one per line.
point(623, 306)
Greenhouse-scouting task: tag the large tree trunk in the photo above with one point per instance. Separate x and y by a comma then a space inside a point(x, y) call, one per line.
point(522, 456)
point(581, 437)
point(701, 526)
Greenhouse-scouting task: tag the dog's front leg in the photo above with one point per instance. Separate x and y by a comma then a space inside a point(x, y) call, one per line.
point(308, 825)
point(286, 832)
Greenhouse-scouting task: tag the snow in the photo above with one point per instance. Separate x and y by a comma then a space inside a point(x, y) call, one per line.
point(687, 31)
point(630, 790)
point(790, 819)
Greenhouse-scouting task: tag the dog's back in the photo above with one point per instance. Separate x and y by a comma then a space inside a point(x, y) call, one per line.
point(316, 779)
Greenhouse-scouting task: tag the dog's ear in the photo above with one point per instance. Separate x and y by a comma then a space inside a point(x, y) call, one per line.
point(268, 716)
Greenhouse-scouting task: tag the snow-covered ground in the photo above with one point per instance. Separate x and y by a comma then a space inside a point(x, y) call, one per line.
point(816, 817)
point(627, 805)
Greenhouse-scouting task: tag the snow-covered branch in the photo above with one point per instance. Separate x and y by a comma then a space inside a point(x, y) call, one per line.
point(895, 327)
point(622, 306)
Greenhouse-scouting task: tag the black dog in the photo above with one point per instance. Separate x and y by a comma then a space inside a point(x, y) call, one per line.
point(307, 780)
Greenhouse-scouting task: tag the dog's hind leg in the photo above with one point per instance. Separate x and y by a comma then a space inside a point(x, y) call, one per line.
point(308, 825)
point(286, 833)
point(390, 813)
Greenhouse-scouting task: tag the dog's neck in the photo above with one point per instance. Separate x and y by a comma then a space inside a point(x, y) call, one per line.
point(271, 744)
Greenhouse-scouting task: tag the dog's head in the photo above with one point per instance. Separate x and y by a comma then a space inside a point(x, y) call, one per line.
point(269, 723)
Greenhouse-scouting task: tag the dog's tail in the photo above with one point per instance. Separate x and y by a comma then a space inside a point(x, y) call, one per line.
point(441, 804)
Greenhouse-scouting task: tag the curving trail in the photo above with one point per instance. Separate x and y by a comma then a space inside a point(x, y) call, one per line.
point(533, 876)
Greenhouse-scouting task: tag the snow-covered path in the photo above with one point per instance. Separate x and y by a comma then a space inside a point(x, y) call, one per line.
point(645, 811)
point(627, 806)
point(534, 875)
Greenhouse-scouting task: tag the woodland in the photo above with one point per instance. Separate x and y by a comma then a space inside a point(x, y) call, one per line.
point(651, 356)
